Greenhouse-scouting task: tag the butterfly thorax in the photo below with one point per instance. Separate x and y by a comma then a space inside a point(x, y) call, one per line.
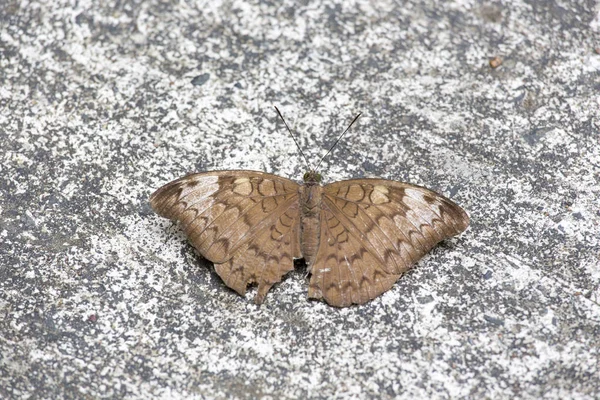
point(310, 211)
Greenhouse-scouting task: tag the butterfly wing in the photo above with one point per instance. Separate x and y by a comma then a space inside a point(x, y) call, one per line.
point(372, 231)
point(247, 223)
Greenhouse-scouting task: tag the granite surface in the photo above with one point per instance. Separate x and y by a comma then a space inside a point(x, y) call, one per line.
point(104, 101)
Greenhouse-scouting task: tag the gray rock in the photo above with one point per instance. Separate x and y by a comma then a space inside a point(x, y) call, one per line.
point(100, 298)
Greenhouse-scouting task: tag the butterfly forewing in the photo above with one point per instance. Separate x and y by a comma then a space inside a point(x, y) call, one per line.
point(245, 222)
point(372, 231)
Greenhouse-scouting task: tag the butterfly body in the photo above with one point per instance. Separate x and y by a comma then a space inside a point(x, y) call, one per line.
point(357, 236)
point(311, 197)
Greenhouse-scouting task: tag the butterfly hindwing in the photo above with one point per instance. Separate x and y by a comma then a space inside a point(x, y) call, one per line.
point(372, 231)
point(245, 222)
point(345, 272)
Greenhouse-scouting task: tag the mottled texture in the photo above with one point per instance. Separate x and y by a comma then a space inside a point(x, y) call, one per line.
point(103, 102)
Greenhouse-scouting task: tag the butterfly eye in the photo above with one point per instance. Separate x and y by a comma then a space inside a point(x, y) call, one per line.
point(305, 177)
point(318, 177)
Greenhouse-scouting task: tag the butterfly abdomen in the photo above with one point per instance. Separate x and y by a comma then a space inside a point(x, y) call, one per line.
point(310, 213)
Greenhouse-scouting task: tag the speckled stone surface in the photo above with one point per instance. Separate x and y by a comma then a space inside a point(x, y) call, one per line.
point(104, 101)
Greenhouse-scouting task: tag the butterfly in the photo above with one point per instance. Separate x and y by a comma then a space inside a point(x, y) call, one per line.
point(357, 236)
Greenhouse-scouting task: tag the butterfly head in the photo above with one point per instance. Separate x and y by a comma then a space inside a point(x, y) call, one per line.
point(312, 177)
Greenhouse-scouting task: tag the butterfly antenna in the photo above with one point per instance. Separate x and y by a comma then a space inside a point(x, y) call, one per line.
point(338, 139)
point(292, 135)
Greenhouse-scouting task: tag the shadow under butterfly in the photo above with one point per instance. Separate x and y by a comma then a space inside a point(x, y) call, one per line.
point(357, 236)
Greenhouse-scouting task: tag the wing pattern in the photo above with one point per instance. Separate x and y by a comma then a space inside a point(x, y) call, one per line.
point(247, 223)
point(374, 230)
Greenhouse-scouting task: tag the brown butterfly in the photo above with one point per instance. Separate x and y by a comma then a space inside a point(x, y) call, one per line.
point(357, 236)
